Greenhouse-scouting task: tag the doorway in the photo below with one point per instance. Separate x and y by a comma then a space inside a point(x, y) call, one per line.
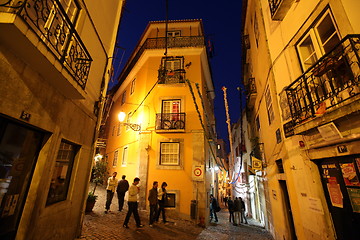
point(340, 178)
point(287, 208)
point(19, 149)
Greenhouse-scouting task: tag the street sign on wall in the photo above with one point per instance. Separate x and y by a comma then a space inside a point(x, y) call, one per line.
point(198, 172)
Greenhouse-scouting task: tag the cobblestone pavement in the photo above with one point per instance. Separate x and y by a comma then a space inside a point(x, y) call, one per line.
point(100, 226)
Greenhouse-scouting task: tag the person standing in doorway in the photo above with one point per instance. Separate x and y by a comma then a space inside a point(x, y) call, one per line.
point(243, 217)
point(153, 200)
point(230, 204)
point(237, 209)
point(162, 198)
point(110, 190)
point(133, 204)
point(122, 188)
point(213, 208)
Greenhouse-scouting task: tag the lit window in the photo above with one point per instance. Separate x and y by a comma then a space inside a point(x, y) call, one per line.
point(61, 176)
point(176, 33)
point(170, 153)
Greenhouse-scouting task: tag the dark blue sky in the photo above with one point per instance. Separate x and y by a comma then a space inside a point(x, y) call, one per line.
point(221, 20)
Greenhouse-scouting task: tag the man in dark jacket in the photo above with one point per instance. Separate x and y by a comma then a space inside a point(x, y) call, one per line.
point(122, 188)
point(213, 208)
point(153, 200)
point(237, 209)
point(242, 211)
point(231, 210)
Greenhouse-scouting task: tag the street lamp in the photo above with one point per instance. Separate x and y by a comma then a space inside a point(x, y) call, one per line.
point(133, 126)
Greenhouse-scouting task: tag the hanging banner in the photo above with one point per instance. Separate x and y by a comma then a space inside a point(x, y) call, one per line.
point(256, 163)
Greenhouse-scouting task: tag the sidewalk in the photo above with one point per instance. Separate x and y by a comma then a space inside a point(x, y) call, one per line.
point(100, 226)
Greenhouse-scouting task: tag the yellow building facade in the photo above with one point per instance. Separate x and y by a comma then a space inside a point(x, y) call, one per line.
point(302, 71)
point(166, 92)
point(54, 63)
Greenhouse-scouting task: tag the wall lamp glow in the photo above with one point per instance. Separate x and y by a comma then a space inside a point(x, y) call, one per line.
point(133, 126)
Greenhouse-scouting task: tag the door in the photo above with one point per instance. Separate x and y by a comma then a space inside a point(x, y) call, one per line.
point(19, 149)
point(287, 208)
point(341, 182)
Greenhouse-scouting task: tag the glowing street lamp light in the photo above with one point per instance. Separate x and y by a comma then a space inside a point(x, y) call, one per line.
point(133, 126)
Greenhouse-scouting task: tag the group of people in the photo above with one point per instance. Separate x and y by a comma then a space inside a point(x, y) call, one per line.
point(157, 199)
point(236, 210)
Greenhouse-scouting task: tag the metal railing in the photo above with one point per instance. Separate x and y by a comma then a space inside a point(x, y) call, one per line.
point(251, 86)
point(159, 43)
point(170, 121)
point(49, 20)
point(333, 79)
point(171, 76)
point(274, 5)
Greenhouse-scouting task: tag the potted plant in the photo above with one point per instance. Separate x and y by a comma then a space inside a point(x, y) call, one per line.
point(99, 174)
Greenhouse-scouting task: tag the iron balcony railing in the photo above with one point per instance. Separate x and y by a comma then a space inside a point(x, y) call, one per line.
point(171, 76)
point(160, 43)
point(274, 6)
point(49, 20)
point(250, 86)
point(333, 79)
point(170, 121)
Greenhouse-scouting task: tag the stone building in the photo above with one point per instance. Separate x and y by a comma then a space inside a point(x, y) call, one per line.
point(301, 66)
point(166, 97)
point(55, 58)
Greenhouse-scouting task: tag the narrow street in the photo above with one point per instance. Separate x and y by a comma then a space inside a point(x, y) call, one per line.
point(98, 225)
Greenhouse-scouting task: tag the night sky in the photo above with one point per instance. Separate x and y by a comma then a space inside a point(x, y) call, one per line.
point(221, 20)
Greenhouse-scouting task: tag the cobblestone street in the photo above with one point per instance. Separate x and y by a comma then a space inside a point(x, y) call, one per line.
point(100, 226)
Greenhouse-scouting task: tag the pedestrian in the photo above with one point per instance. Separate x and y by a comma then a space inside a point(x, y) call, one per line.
point(237, 209)
point(110, 190)
point(243, 211)
point(213, 208)
point(230, 204)
point(162, 198)
point(225, 200)
point(153, 200)
point(133, 204)
point(122, 188)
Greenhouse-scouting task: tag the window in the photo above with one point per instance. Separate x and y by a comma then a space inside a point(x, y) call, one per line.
point(257, 121)
point(256, 31)
point(60, 179)
point(128, 120)
point(176, 33)
point(123, 98)
point(171, 106)
point(125, 156)
point(319, 40)
point(269, 106)
point(132, 87)
point(172, 63)
point(169, 153)
point(116, 153)
point(118, 129)
point(113, 131)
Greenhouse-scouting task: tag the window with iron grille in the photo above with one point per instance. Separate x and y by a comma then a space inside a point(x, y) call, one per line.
point(60, 180)
point(269, 106)
point(170, 153)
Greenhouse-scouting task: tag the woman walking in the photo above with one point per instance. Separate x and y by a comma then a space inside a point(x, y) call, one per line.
point(162, 197)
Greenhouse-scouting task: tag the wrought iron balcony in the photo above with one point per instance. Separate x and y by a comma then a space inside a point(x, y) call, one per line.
point(279, 8)
point(250, 91)
point(170, 121)
point(50, 22)
point(171, 76)
point(334, 79)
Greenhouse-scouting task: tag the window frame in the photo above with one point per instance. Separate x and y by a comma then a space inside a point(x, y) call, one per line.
point(174, 33)
point(162, 154)
point(116, 157)
point(269, 106)
point(70, 160)
point(125, 155)
point(132, 86)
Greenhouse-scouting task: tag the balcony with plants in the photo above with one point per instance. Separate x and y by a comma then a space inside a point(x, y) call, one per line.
point(331, 84)
point(42, 33)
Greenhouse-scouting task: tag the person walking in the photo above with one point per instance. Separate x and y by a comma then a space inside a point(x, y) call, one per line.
point(230, 204)
point(133, 204)
point(122, 188)
point(242, 211)
point(213, 208)
point(162, 197)
point(237, 209)
point(110, 190)
point(153, 200)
